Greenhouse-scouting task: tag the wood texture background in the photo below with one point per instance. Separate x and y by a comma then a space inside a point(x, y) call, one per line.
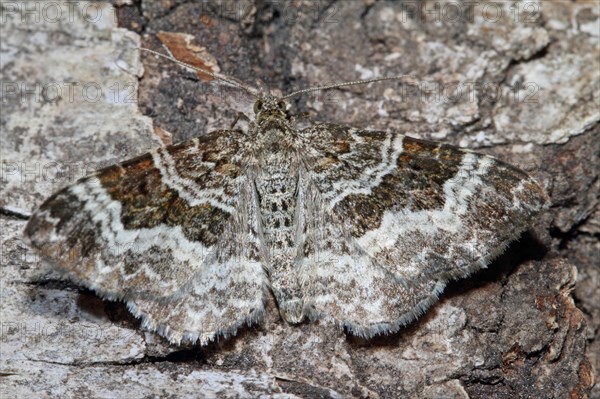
point(529, 74)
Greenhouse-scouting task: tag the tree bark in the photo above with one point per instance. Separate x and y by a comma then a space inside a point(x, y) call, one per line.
point(519, 81)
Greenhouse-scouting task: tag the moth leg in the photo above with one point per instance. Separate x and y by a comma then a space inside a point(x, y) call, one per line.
point(240, 116)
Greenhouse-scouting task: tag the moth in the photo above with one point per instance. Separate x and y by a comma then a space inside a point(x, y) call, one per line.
point(360, 228)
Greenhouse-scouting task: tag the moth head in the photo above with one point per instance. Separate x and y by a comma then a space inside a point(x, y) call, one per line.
point(269, 108)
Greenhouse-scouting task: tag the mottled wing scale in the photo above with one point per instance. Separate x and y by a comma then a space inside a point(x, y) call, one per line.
point(226, 291)
point(403, 217)
point(341, 281)
point(156, 231)
point(364, 228)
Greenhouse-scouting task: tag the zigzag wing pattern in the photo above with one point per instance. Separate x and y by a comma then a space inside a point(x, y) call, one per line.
point(156, 231)
point(403, 216)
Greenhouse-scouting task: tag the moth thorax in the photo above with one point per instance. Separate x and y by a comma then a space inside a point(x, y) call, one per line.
point(275, 141)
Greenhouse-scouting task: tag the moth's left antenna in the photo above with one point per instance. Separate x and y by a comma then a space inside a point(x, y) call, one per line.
point(214, 75)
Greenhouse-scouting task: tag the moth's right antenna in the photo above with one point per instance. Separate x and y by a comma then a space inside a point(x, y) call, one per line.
point(406, 78)
point(240, 85)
